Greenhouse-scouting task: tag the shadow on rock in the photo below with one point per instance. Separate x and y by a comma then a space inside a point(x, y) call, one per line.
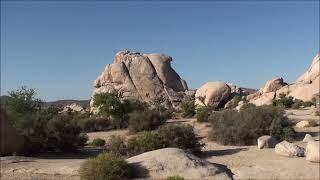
point(138, 171)
point(224, 169)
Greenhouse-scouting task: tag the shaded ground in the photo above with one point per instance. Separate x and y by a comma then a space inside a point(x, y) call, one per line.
point(245, 162)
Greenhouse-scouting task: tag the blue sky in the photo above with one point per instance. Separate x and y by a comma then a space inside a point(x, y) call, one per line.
point(59, 48)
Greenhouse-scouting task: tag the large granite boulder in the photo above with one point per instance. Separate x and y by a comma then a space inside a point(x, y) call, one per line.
point(11, 141)
point(166, 162)
point(142, 76)
point(215, 94)
point(285, 148)
point(266, 142)
point(313, 151)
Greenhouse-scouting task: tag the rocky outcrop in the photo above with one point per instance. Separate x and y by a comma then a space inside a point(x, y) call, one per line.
point(285, 148)
point(305, 124)
point(313, 151)
point(266, 142)
point(74, 107)
point(166, 162)
point(306, 87)
point(142, 76)
point(11, 141)
point(216, 94)
point(307, 138)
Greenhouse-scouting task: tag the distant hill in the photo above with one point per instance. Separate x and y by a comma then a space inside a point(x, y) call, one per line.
point(83, 103)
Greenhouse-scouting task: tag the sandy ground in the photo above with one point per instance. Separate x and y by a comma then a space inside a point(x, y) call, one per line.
point(245, 162)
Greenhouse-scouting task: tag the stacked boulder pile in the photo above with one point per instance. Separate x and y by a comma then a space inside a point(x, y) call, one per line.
point(305, 88)
point(142, 76)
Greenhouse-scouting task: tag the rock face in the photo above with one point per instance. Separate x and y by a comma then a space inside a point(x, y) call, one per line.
point(273, 85)
point(304, 124)
point(11, 141)
point(306, 87)
point(215, 93)
point(142, 76)
point(307, 138)
point(172, 161)
point(266, 142)
point(313, 151)
point(288, 149)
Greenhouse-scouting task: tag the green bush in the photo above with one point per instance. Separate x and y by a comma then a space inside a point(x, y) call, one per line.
point(92, 124)
point(284, 101)
point(244, 127)
point(298, 103)
point(174, 136)
point(43, 129)
point(145, 120)
point(174, 178)
point(203, 113)
point(116, 144)
point(188, 108)
point(247, 105)
point(107, 166)
point(112, 106)
point(98, 142)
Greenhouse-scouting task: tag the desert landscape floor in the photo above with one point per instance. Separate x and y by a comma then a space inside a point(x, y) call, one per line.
point(245, 162)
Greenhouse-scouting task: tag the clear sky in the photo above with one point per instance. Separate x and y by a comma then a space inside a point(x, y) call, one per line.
point(59, 48)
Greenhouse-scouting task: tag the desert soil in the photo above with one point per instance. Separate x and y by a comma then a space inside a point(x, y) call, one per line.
point(245, 162)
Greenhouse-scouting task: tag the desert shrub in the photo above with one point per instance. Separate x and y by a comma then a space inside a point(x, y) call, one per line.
point(112, 106)
point(146, 141)
point(244, 127)
point(177, 177)
point(98, 142)
point(145, 120)
point(181, 136)
point(108, 166)
point(168, 136)
point(247, 105)
point(92, 124)
point(116, 144)
point(283, 101)
point(203, 113)
point(63, 135)
point(43, 129)
point(188, 108)
point(298, 103)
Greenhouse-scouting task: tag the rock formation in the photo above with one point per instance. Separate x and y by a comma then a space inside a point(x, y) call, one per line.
point(216, 94)
point(285, 148)
point(266, 142)
point(74, 107)
point(306, 87)
point(312, 151)
point(166, 162)
point(142, 76)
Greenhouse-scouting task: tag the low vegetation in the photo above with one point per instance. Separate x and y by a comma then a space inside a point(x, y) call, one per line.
point(98, 142)
point(290, 102)
point(168, 136)
point(42, 129)
point(203, 113)
point(231, 127)
point(188, 108)
point(145, 120)
point(108, 166)
point(175, 178)
point(174, 136)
